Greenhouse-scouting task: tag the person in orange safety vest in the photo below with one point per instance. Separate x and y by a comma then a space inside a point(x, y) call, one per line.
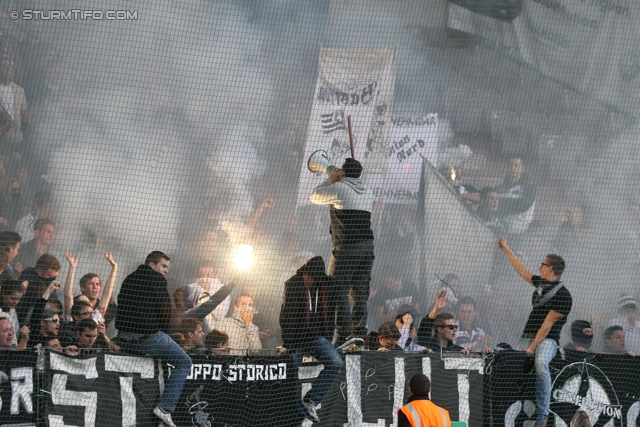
point(419, 410)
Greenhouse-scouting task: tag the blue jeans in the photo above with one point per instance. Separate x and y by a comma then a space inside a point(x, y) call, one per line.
point(350, 266)
point(326, 353)
point(545, 352)
point(161, 346)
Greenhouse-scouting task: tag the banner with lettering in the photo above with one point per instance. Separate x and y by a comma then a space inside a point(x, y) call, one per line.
point(590, 45)
point(351, 82)
point(240, 391)
point(587, 389)
point(411, 137)
point(104, 389)
point(374, 385)
point(17, 385)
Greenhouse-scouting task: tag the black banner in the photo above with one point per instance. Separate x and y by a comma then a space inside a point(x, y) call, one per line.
point(101, 390)
point(604, 388)
point(374, 385)
point(112, 389)
point(17, 384)
point(240, 391)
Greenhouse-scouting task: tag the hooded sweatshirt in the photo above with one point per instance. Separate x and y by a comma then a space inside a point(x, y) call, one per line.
point(209, 309)
point(351, 203)
point(304, 315)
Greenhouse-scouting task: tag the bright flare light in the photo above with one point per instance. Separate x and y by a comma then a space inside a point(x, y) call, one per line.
point(244, 257)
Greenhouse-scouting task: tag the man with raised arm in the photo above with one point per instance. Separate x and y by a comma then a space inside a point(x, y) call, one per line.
point(144, 313)
point(351, 203)
point(90, 285)
point(551, 305)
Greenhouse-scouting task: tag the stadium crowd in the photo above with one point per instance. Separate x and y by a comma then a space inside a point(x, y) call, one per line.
point(233, 319)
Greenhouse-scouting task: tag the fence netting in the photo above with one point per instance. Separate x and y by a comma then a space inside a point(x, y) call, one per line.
point(297, 205)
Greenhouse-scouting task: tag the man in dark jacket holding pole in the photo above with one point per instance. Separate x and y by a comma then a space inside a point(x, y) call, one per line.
point(306, 329)
point(351, 203)
point(144, 312)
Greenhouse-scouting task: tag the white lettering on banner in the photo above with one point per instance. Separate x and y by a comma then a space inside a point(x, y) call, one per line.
point(426, 368)
point(398, 389)
point(205, 370)
point(275, 372)
point(632, 415)
point(465, 365)
point(61, 396)
point(57, 421)
point(354, 404)
point(84, 367)
point(409, 137)
point(21, 389)
point(128, 365)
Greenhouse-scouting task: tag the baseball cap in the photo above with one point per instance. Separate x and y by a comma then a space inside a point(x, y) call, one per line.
point(626, 301)
point(50, 312)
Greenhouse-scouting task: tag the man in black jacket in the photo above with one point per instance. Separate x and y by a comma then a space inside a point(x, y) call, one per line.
point(144, 312)
point(306, 329)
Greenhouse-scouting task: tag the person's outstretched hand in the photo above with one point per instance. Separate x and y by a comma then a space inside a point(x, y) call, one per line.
point(73, 261)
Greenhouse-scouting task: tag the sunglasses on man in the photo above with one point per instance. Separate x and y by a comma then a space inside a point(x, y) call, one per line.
point(450, 327)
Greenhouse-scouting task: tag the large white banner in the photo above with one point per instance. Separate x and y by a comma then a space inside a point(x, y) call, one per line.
point(591, 45)
point(357, 83)
point(410, 137)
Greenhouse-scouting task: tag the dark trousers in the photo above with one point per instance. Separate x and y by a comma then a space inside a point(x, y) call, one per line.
point(350, 266)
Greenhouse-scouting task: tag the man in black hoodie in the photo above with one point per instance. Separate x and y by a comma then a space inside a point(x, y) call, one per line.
point(306, 329)
point(144, 314)
point(351, 203)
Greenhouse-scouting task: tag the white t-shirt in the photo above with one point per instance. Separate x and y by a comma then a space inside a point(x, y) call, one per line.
point(9, 101)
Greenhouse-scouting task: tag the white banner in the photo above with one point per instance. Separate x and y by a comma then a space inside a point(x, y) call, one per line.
point(591, 45)
point(357, 83)
point(410, 137)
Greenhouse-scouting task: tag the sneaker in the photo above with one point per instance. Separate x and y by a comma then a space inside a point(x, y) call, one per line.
point(351, 342)
point(544, 423)
point(309, 410)
point(164, 415)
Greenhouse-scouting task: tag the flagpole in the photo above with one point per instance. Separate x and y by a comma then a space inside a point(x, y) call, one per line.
point(353, 156)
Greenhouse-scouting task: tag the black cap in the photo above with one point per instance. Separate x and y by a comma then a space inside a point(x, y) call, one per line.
point(352, 168)
point(50, 312)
